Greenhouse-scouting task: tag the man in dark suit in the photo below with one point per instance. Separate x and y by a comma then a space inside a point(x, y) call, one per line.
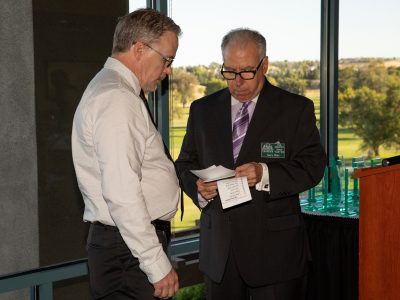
point(257, 249)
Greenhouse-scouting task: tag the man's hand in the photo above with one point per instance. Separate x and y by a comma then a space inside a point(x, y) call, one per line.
point(167, 287)
point(207, 190)
point(253, 171)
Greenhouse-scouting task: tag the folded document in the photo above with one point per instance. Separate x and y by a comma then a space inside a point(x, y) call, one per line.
point(214, 173)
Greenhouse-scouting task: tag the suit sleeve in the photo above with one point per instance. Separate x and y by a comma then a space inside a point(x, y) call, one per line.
point(307, 160)
point(188, 159)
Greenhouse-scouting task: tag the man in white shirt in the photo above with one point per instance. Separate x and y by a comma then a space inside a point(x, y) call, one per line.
point(128, 184)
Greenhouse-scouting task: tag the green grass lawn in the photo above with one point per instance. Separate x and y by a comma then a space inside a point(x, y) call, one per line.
point(192, 212)
point(348, 147)
point(314, 95)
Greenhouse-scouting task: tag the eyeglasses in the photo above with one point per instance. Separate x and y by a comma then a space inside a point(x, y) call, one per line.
point(167, 60)
point(245, 75)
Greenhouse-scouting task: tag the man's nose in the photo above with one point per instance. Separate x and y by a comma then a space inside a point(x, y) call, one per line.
point(238, 80)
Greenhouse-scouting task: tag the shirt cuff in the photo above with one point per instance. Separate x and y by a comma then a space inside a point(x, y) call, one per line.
point(202, 202)
point(263, 185)
point(159, 269)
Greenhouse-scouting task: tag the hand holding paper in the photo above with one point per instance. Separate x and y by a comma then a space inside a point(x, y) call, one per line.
point(232, 191)
point(207, 190)
point(253, 171)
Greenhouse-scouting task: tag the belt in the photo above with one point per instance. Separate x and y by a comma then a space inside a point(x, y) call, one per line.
point(158, 225)
point(109, 227)
point(163, 230)
point(161, 225)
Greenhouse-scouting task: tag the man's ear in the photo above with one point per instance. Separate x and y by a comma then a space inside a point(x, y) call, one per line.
point(137, 49)
point(265, 64)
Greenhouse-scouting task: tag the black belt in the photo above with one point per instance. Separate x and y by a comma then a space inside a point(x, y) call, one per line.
point(109, 227)
point(163, 230)
point(158, 225)
point(161, 225)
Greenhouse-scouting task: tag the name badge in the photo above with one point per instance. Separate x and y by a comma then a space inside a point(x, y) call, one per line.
point(273, 150)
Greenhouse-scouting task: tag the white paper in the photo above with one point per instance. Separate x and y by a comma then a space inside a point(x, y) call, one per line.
point(233, 191)
point(213, 173)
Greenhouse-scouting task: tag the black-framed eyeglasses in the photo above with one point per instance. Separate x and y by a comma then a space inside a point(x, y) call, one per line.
point(245, 75)
point(167, 60)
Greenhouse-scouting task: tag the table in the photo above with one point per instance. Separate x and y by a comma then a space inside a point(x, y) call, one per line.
point(333, 272)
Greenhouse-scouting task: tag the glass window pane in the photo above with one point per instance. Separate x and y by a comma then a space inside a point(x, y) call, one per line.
point(135, 4)
point(369, 79)
point(292, 31)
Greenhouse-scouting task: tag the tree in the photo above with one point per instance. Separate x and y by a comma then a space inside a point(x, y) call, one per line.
point(201, 72)
point(184, 86)
point(369, 102)
point(372, 115)
point(292, 84)
point(214, 85)
point(347, 78)
point(295, 76)
point(373, 76)
point(209, 76)
point(206, 74)
point(393, 106)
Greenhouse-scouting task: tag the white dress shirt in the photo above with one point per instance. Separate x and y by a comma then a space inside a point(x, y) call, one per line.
point(263, 185)
point(125, 177)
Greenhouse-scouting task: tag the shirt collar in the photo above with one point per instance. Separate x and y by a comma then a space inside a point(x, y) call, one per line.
point(127, 74)
point(234, 101)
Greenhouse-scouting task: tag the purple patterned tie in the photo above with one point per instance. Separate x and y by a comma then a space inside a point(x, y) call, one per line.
point(239, 129)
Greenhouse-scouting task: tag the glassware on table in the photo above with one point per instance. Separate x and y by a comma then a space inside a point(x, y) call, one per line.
point(326, 206)
point(355, 195)
point(375, 162)
point(335, 181)
point(311, 201)
point(345, 210)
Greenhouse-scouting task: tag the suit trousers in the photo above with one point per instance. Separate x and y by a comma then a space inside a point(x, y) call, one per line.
point(114, 272)
point(233, 287)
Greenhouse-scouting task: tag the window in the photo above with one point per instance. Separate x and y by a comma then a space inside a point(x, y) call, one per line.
point(369, 79)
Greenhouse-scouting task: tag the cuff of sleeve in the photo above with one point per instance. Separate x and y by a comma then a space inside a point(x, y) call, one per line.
point(263, 185)
point(202, 202)
point(157, 270)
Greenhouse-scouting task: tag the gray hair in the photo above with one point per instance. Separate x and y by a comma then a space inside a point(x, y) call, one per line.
point(145, 25)
point(242, 36)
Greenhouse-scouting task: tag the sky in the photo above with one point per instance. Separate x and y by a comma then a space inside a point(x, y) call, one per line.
point(367, 28)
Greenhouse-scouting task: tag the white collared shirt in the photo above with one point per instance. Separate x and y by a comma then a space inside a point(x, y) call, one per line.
point(125, 178)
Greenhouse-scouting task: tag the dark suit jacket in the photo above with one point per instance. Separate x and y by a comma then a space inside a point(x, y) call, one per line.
point(267, 234)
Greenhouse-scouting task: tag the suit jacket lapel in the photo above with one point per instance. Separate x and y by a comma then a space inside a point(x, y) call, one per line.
point(224, 131)
point(264, 113)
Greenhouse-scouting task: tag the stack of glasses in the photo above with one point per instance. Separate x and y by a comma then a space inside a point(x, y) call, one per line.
point(338, 191)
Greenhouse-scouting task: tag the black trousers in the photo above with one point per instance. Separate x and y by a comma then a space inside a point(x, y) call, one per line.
point(233, 287)
point(114, 272)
